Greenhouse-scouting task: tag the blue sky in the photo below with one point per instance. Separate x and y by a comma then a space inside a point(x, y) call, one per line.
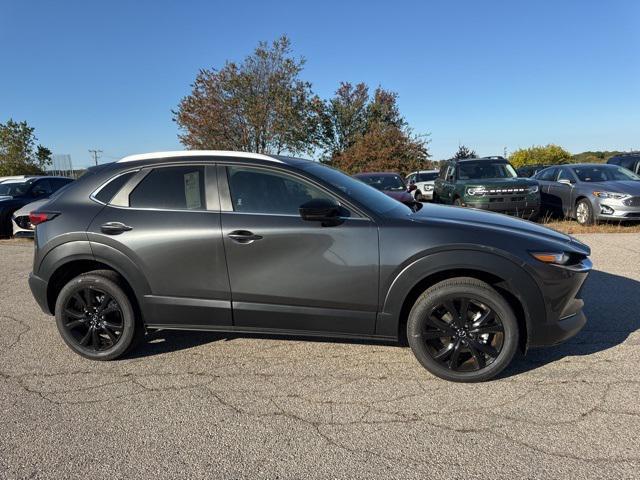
point(497, 74)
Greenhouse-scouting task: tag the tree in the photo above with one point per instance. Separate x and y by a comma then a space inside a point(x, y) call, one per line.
point(359, 132)
point(259, 105)
point(464, 152)
point(540, 155)
point(17, 156)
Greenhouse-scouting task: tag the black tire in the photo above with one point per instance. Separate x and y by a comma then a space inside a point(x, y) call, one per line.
point(458, 202)
point(418, 196)
point(587, 218)
point(95, 316)
point(435, 198)
point(473, 346)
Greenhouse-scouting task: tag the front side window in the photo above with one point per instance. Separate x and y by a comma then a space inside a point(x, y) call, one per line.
point(256, 190)
point(546, 175)
point(14, 189)
point(171, 188)
point(391, 183)
point(41, 188)
point(565, 175)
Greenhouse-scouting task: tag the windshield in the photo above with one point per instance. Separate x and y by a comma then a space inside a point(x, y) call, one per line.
point(484, 169)
point(359, 191)
point(426, 177)
point(604, 173)
point(383, 182)
point(14, 189)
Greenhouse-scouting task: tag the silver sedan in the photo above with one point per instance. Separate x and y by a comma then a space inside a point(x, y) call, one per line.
point(590, 192)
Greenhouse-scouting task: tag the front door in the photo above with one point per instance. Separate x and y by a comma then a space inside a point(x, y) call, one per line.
point(290, 274)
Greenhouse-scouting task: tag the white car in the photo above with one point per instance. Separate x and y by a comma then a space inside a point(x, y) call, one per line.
point(423, 181)
point(22, 227)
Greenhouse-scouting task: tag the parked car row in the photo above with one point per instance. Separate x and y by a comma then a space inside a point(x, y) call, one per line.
point(585, 192)
point(19, 192)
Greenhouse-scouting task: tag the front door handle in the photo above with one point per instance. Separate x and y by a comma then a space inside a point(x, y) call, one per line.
point(244, 236)
point(114, 228)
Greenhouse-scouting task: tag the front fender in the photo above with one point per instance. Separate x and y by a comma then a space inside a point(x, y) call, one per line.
point(516, 280)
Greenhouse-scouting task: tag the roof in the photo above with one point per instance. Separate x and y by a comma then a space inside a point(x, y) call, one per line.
point(494, 158)
point(197, 153)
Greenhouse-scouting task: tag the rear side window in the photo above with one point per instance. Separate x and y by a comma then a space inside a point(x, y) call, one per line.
point(109, 191)
point(171, 188)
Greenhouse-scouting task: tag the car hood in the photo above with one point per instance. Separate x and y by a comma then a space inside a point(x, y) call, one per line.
point(481, 219)
point(630, 187)
point(30, 207)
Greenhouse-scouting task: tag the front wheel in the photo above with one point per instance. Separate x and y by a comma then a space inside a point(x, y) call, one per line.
point(463, 330)
point(584, 212)
point(95, 316)
point(457, 202)
point(418, 196)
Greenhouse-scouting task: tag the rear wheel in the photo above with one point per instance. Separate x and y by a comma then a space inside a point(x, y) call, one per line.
point(584, 212)
point(463, 330)
point(95, 317)
point(418, 196)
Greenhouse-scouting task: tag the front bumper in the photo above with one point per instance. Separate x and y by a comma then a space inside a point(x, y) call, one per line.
point(561, 289)
point(39, 290)
point(520, 208)
point(609, 209)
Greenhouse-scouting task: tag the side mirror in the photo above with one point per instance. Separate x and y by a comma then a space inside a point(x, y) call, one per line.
point(322, 210)
point(564, 181)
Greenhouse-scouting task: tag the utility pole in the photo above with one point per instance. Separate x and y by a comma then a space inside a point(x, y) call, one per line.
point(96, 155)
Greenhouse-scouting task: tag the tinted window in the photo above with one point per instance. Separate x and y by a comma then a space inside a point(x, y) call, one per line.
point(484, 169)
point(171, 188)
point(14, 189)
point(603, 173)
point(359, 191)
point(547, 175)
point(58, 183)
point(41, 188)
point(565, 174)
point(391, 182)
point(106, 193)
point(255, 190)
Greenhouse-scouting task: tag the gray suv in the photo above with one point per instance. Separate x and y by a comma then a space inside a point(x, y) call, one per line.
point(590, 192)
point(245, 243)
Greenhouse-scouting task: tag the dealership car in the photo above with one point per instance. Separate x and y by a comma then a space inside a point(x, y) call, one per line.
point(22, 227)
point(16, 193)
point(421, 184)
point(590, 192)
point(488, 183)
point(246, 243)
point(530, 170)
point(390, 184)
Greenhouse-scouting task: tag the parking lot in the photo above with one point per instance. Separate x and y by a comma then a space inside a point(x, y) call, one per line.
point(194, 405)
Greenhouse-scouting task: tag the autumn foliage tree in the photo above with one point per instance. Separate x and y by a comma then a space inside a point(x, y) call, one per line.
point(540, 155)
point(19, 154)
point(363, 133)
point(259, 105)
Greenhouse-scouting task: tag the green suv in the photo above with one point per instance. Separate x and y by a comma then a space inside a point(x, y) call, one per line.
point(488, 183)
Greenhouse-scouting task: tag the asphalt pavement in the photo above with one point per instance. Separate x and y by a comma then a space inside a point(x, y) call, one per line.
point(197, 405)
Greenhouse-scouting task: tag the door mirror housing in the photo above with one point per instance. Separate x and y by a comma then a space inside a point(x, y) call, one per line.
point(323, 210)
point(564, 181)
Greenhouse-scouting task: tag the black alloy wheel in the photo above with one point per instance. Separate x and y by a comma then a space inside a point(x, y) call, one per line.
point(93, 319)
point(95, 316)
point(462, 329)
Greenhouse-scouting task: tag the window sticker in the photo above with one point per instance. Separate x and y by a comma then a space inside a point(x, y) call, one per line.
point(192, 190)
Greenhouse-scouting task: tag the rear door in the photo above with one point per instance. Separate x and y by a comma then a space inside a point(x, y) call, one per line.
point(166, 219)
point(291, 274)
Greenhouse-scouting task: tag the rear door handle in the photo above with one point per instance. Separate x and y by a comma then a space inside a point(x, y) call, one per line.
point(244, 236)
point(114, 228)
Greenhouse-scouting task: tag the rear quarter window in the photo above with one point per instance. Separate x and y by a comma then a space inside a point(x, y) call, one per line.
point(107, 192)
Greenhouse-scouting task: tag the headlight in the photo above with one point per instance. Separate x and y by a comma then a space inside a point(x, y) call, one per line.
point(476, 191)
point(556, 258)
point(612, 195)
point(533, 189)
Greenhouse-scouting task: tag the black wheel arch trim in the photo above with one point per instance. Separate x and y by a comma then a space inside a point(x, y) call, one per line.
point(517, 280)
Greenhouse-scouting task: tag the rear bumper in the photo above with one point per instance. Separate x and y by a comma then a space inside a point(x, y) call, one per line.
point(39, 290)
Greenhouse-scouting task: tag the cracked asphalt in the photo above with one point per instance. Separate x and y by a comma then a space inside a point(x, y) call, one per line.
point(194, 405)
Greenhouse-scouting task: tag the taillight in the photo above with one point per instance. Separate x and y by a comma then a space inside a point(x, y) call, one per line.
point(36, 218)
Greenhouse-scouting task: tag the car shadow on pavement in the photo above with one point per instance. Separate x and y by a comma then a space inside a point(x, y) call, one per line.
point(612, 306)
